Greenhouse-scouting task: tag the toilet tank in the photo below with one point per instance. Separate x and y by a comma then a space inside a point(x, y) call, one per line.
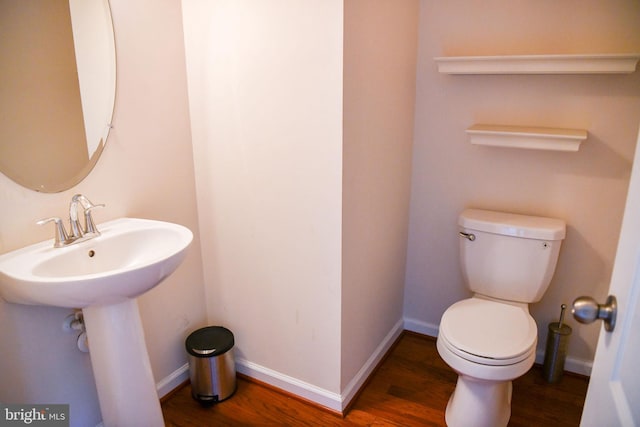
point(510, 257)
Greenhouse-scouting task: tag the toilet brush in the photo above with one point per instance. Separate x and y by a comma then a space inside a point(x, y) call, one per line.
point(563, 307)
point(556, 352)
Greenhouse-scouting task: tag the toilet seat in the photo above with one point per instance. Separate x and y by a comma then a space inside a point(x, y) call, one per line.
point(489, 332)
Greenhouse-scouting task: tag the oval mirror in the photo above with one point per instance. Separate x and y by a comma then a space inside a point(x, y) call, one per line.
point(57, 90)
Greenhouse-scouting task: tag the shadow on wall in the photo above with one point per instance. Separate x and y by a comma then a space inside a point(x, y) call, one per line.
point(595, 158)
point(37, 330)
point(603, 161)
point(571, 281)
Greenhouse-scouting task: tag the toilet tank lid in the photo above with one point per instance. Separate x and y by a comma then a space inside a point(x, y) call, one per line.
point(509, 224)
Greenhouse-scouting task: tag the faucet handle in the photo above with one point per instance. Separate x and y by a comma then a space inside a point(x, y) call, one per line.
point(89, 225)
point(61, 233)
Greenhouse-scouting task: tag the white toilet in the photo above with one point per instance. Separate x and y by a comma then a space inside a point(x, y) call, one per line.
point(490, 339)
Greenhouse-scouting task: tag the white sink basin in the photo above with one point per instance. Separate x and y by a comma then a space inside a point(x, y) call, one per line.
point(129, 258)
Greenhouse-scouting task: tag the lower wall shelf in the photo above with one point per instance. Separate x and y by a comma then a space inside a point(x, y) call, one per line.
point(534, 138)
point(539, 64)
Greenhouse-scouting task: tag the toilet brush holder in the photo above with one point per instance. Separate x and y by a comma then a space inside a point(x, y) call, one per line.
point(556, 351)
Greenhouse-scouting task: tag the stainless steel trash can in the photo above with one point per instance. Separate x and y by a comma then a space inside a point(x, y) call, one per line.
point(211, 364)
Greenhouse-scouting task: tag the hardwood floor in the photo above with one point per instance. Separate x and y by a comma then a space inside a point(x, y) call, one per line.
point(410, 388)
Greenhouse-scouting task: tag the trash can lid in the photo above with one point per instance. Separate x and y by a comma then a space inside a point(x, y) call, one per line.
point(210, 341)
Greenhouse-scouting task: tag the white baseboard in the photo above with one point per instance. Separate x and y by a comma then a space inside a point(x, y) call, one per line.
point(420, 327)
point(367, 369)
point(172, 380)
point(334, 401)
point(571, 364)
point(289, 384)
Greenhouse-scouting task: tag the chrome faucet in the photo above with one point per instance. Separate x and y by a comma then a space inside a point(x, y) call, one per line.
point(77, 233)
point(89, 227)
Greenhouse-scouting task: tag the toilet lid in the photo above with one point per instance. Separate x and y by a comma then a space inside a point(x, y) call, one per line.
point(489, 329)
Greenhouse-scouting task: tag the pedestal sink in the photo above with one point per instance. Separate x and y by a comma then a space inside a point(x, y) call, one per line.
point(103, 276)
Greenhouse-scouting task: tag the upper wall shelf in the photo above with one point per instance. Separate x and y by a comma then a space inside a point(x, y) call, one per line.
point(535, 138)
point(539, 64)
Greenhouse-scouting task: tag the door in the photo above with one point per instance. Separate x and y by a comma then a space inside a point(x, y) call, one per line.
point(613, 398)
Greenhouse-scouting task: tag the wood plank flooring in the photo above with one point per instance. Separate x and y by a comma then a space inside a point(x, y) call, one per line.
point(410, 388)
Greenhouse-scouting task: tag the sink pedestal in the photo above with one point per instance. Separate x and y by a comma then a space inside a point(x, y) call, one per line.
point(121, 367)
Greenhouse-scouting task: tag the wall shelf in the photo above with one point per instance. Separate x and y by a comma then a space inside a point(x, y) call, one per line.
point(535, 138)
point(539, 64)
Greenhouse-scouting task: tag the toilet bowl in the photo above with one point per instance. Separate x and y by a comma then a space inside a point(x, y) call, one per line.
point(488, 344)
point(490, 339)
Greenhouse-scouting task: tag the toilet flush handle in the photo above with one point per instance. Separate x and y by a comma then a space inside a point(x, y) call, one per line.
point(469, 236)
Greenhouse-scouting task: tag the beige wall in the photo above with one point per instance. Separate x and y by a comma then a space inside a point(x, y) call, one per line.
point(587, 188)
point(146, 171)
point(380, 44)
point(265, 86)
point(303, 206)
